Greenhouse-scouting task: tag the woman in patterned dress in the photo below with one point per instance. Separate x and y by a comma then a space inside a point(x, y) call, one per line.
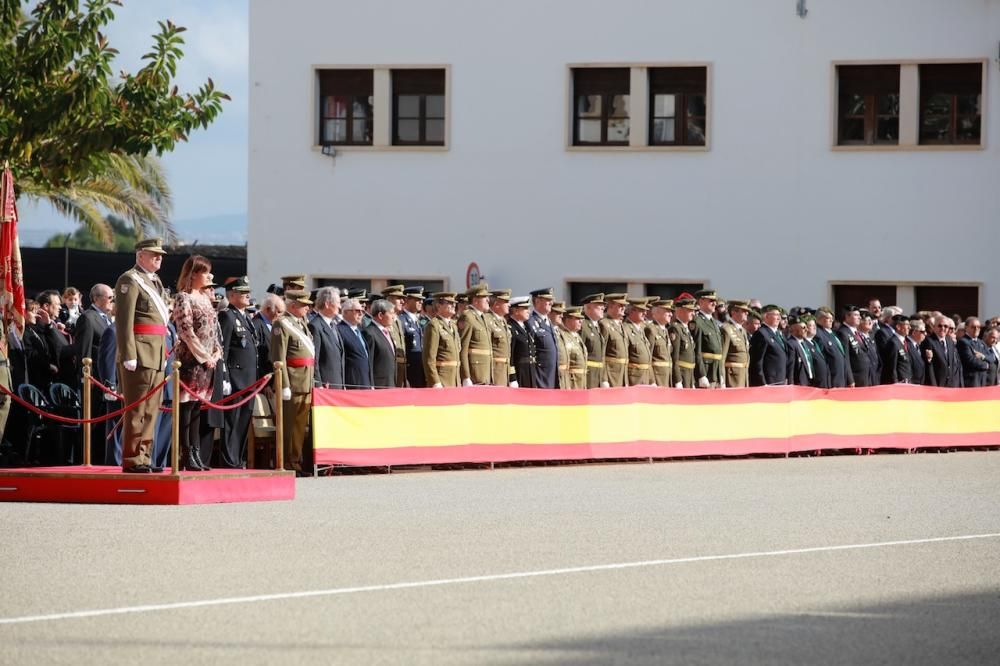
point(199, 348)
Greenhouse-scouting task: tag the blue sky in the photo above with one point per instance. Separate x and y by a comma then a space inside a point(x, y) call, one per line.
point(209, 173)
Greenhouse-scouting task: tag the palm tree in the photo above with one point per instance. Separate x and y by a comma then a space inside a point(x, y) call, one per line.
point(132, 187)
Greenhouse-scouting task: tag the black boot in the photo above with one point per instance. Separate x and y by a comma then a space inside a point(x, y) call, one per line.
point(189, 463)
point(196, 454)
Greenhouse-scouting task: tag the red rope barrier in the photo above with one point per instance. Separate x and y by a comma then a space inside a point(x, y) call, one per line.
point(253, 389)
point(65, 419)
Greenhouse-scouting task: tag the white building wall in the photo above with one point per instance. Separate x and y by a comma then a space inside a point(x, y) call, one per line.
point(769, 211)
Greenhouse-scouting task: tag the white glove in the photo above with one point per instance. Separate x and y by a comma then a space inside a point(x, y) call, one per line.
point(514, 385)
point(605, 385)
point(227, 388)
point(130, 365)
point(110, 397)
point(704, 383)
point(438, 385)
point(466, 382)
point(679, 385)
point(286, 393)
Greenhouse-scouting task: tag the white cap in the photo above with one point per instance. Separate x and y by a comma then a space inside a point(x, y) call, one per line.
point(519, 301)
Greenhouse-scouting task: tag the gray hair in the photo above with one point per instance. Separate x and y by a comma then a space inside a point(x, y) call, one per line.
point(380, 306)
point(271, 303)
point(327, 295)
point(351, 304)
point(95, 291)
point(890, 311)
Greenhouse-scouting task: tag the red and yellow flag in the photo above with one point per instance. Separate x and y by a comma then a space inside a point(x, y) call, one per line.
point(11, 276)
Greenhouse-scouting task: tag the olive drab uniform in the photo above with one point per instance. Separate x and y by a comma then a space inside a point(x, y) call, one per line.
point(503, 371)
point(477, 348)
point(683, 354)
point(640, 369)
point(707, 348)
point(562, 369)
point(661, 353)
point(292, 344)
point(399, 344)
point(735, 355)
point(615, 352)
point(140, 332)
point(594, 343)
point(576, 356)
point(442, 349)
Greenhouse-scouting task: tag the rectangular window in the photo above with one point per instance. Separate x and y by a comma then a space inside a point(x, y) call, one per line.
point(672, 290)
point(677, 106)
point(579, 290)
point(963, 301)
point(346, 100)
point(868, 105)
point(950, 102)
point(601, 106)
point(418, 107)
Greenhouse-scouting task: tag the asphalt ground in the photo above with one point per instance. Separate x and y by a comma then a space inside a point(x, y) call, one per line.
point(830, 560)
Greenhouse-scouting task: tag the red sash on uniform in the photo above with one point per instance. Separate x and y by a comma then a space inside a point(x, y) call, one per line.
point(149, 329)
point(301, 362)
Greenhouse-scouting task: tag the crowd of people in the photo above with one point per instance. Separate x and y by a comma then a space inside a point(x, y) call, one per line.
point(404, 338)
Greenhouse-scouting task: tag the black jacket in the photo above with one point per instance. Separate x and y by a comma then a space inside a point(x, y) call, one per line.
point(329, 369)
point(896, 364)
point(975, 367)
point(944, 368)
point(90, 327)
point(522, 354)
point(357, 367)
point(835, 355)
point(856, 347)
point(382, 357)
point(768, 358)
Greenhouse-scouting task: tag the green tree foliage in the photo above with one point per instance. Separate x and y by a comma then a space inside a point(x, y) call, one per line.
point(66, 121)
point(123, 237)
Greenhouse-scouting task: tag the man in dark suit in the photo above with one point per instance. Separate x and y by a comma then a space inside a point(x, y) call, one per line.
point(522, 344)
point(53, 334)
point(800, 362)
point(990, 338)
point(768, 351)
point(409, 321)
point(239, 370)
point(821, 369)
point(896, 364)
point(357, 365)
point(272, 308)
point(382, 350)
point(972, 353)
point(866, 326)
point(853, 342)
point(329, 370)
point(942, 366)
point(918, 332)
point(546, 349)
point(90, 327)
point(884, 330)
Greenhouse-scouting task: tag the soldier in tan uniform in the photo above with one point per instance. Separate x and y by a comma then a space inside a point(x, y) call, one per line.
point(683, 343)
point(442, 345)
point(590, 333)
point(640, 368)
point(140, 331)
point(395, 295)
point(556, 319)
point(292, 344)
point(477, 341)
point(496, 321)
point(615, 343)
point(661, 351)
point(736, 347)
point(576, 351)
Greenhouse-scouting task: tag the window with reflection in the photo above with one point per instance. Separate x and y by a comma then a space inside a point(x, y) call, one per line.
point(418, 107)
point(345, 107)
point(950, 102)
point(677, 106)
point(601, 106)
point(868, 105)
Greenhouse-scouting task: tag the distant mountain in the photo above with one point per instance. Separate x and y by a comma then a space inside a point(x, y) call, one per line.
point(215, 230)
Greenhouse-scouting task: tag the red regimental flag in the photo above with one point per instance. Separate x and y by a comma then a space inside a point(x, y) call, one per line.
point(11, 277)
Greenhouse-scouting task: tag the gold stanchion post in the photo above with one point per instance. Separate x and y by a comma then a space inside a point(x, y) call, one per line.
point(279, 429)
point(175, 421)
point(86, 411)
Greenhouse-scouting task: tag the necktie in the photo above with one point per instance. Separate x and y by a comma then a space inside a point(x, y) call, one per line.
point(805, 354)
point(906, 345)
point(840, 345)
point(361, 340)
point(389, 339)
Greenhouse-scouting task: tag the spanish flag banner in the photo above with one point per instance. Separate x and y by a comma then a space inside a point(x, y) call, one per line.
point(493, 424)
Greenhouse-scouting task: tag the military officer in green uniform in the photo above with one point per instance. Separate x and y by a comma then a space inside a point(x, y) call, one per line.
point(477, 344)
point(707, 342)
point(736, 347)
point(442, 345)
point(556, 319)
point(292, 344)
point(140, 331)
point(682, 343)
point(661, 350)
point(394, 294)
point(640, 368)
point(593, 341)
point(576, 352)
point(615, 343)
point(496, 321)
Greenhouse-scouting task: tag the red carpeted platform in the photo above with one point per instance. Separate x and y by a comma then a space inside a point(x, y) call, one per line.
point(108, 485)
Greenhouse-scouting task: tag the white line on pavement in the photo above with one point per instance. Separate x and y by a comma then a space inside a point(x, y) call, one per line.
point(100, 612)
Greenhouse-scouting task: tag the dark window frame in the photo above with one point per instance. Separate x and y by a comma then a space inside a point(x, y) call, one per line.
point(873, 83)
point(684, 83)
point(606, 83)
point(420, 83)
point(347, 83)
point(933, 83)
